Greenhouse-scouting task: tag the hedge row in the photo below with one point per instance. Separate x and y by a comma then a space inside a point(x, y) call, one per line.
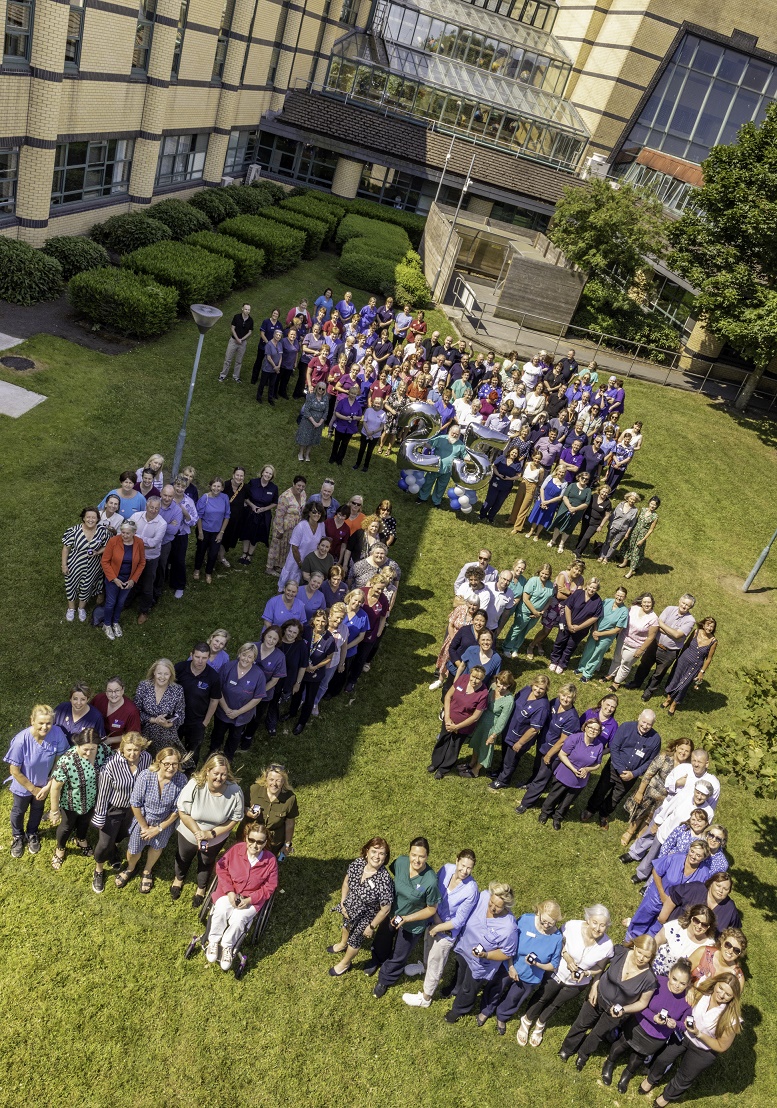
point(314, 231)
point(282, 245)
point(248, 261)
point(388, 241)
point(313, 209)
point(378, 256)
point(199, 276)
point(180, 218)
point(76, 255)
point(27, 275)
point(124, 233)
point(250, 200)
point(125, 302)
point(412, 224)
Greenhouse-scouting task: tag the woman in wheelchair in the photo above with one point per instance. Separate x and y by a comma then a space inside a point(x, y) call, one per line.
point(246, 878)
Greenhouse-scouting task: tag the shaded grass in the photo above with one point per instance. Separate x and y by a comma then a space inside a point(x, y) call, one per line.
point(101, 1008)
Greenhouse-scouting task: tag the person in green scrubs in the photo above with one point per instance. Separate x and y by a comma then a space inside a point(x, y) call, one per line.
point(614, 619)
point(537, 594)
point(416, 895)
point(447, 448)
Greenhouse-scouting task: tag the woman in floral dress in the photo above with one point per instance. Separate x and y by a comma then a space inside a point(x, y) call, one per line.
point(287, 516)
point(643, 529)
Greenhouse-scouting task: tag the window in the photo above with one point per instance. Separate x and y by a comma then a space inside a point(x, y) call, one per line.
point(241, 152)
point(18, 30)
point(282, 157)
point(181, 158)
point(349, 12)
point(144, 34)
point(89, 170)
point(223, 40)
point(180, 32)
point(75, 25)
point(9, 173)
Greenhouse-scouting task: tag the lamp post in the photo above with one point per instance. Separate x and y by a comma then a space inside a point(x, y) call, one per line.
point(761, 559)
point(444, 168)
point(204, 316)
point(467, 183)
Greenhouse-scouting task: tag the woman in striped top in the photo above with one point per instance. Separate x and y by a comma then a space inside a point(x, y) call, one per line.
point(112, 812)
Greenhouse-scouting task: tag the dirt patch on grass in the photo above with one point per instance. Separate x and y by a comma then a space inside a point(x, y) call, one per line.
point(54, 317)
point(756, 594)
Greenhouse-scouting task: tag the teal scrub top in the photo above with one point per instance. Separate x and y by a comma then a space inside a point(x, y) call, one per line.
point(613, 617)
point(413, 895)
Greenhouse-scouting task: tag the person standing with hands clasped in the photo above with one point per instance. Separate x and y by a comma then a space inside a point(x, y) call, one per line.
point(31, 757)
point(632, 748)
point(464, 704)
point(240, 332)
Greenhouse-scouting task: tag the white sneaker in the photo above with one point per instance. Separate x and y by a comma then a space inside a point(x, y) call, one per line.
point(117, 630)
point(226, 958)
point(178, 594)
point(70, 615)
point(435, 685)
point(414, 969)
point(416, 1000)
point(212, 952)
point(108, 632)
point(82, 615)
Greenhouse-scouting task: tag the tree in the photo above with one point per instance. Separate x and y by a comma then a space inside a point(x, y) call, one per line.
point(726, 246)
point(601, 228)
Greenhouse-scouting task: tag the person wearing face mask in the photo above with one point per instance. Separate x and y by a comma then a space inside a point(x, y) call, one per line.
point(120, 714)
point(151, 529)
point(31, 757)
point(458, 896)
point(586, 949)
point(247, 876)
point(448, 448)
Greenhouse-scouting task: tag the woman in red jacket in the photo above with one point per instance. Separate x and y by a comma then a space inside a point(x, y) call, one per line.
point(123, 561)
point(247, 878)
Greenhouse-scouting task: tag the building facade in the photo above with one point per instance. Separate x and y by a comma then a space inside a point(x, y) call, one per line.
point(109, 105)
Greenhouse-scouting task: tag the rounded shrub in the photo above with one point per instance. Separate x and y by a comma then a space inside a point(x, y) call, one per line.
point(216, 203)
point(282, 245)
point(199, 276)
point(76, 254)
point(124, 233)
point(362, 269)
point(277, 192)
point(248, 260)
point(248, 199)
point(27, 276)
point(122, 301)
point(181, 218)
point(384, 239)
point(310, 207)
point(314, 231)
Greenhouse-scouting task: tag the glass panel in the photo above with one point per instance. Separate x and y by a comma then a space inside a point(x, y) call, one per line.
point(688, 109)
point(757, 75)
point(422, 29)
point(407, 30)
point(394, 22)
point(76, 153)
point(448, 42)
point(732, 66)
point(707, 57)
point(436, 32)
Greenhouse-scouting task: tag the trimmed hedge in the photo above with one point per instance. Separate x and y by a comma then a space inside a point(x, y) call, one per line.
point(277, 192)
point(282, 245)
point(122, 301)
point(388, 241)
point(248, 261)
point(310, 207)
point(412, 224)
point(216, 203)
point(314, 231)
point(181, 218)
point(76, 254)
point(27, 276)
point(249, 200)
point(199, 276)
point(364, 270)
point(411, 283)
point(125, 233)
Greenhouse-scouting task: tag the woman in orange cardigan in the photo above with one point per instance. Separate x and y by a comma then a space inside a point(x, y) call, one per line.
point(123, 561)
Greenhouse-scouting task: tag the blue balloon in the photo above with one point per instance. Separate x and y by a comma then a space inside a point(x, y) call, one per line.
point(455, 505)
point(402, 483)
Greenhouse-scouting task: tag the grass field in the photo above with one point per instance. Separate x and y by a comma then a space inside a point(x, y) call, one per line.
point(100, 1007)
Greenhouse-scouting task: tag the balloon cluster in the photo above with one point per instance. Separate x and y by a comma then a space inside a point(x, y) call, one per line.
point(410, 480)
point(461, 499)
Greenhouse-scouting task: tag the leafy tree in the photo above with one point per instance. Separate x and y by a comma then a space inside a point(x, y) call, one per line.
point(748, 756)
point(726, 246)
point(600, 228)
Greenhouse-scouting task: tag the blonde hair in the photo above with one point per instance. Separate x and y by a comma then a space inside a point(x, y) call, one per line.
point(353, 592)
point(338, 609)
point(267, 465)
point(133, 738)
point(368, 520)
point(646, 944)
point(215, 760)
point(552, 907)
point(249, 647)
point(158, 458)
point(161, 662)
point(41, 711)
point(274, 768)
point(163, 753)
point(730, 1019)
point(503, 891)
point(219, 631)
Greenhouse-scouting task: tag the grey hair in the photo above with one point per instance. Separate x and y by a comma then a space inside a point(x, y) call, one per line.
point(597, 911)
point(379, 546)
point(129, 523)
point(150, 498)
point(689, 596)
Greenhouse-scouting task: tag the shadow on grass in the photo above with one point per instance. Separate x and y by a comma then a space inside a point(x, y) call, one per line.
point(762, 426)
point(649, 566)
point(760, 894)
point(308, 885)
point(766, 830)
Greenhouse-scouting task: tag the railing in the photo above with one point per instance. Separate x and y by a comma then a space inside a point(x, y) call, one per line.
point(613, 353)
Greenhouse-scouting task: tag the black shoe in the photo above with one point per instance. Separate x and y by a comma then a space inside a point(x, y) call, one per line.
point(636, 880)
point(298, 729)
point(450, 1018)
point(623, 1084)
point(564, 1055)
point(271, 731)
point(33, 843)
point(430, 769)
point(579, 1063)
point(198, 900)
point(625, 858)
point(175, 892)
point(542, 818)
point(520, 809)
point(556, 824)
point(371, 969)
point(646, 696)
point(439, 774)
point(607, 1069)
point(496, 785)
point(380, 990)
point(356, 466)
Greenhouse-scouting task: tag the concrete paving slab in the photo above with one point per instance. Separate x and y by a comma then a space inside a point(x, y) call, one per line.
point(7, 341)
point(15, 401)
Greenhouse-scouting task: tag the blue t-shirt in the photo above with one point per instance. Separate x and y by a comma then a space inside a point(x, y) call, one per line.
point(213, 511)
point(276, 611)
point(526, 713)
point(35, 759)
point(532, 941)
point(492, 933)
point(136, 503)
point(325, 302)
point(355, 625)
point(471, 658)
point(274, 665)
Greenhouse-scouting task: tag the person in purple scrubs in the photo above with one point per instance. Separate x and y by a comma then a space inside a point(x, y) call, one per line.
point(242, 691)
point(580, 754)
point(272, 662)
point(284, 606)
point(31, 757)
point(348, 412)
point(582, 610)
point(487, 938)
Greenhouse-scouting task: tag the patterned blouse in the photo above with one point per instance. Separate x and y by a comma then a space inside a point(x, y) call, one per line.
point(172, 701)
point(80, 779)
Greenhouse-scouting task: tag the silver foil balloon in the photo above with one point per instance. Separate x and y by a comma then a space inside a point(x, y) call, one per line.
point(411, 456)
point(485, 440)
point(472, 472)
point(419, 421)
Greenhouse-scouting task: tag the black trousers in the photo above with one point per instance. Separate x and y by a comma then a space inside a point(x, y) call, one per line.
point(391, 950)
point(302, 373)
point(116, 827)
point(693, 1061)
point(339, 447)
point(206, 860)
point(596, 1022)
point(207, 551)
point(467, 988)
point(284, 377)
point(565, 645)
point(177, 562)
point(541, 779)
point(307, 699)
point(144, 590)
point(609, 791)
point(257, 363)
point(366, 448)
point(267, 381)
point(552, 995)
point(192, 735)
point(657, 656)
point(225, 737)
point(559, 800)
point(446, 750)
point(72, 824)
point(495, 498)
point(365, 651)
point(585, 538)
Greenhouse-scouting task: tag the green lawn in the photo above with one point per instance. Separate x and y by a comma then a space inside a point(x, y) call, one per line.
point(101, 1008)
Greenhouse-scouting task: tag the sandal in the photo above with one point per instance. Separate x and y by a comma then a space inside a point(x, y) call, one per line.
point(225, 563)
point(208, 579)
point(146, 882)
point(57, 860)
point(196, 575)
point(536, 1036)
point(85, 850)
point(123, 878)
point(481, 1020)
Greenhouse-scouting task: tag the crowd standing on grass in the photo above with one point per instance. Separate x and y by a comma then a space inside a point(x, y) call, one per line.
point(157, 766)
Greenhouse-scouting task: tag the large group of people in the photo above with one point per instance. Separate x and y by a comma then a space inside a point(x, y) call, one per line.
point(158, 766)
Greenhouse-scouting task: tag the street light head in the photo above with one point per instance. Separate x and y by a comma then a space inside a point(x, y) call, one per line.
point(205, 316)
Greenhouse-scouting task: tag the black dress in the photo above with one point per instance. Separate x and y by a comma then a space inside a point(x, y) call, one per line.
point(236, 501)
point(365, 899)
point(256, 527)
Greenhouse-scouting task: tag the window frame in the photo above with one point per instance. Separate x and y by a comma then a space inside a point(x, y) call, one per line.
point(10, 32)
point(145, 24)
point(123, 153)
point(180, 35)
point(195, 159)
point(9, 176)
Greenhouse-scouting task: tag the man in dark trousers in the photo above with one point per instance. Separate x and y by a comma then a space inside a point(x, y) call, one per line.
point(633, 747)
point(240, 332)
point(201, 686)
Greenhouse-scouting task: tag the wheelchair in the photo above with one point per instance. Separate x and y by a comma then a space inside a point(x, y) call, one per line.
point(250, 936)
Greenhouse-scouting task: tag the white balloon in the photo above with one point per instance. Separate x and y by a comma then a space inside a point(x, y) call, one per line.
point(414, 487)
point(458, 491)
point(465, 507)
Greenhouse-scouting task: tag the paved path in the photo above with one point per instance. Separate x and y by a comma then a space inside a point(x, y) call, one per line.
point(16, 401)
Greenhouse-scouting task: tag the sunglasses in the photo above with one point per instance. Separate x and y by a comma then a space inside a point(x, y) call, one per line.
point(258, 842)
point(732, 948)
point(699, 920)
point(278, 766)
point(715, 838)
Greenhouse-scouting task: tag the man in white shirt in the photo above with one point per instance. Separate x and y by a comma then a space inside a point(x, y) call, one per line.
point(675, 624)
point(151, 528)
point(484, 563)
point(532, 373)
point(668, 816)
point(501, 602)
point(682, 779)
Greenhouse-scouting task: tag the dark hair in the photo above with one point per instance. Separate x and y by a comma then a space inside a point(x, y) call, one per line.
point(273, 627)
point(85, 510)
point(700, 910)
point(466, 853)
point(291, 623)
point(376, 840)
point(420, 841)
point(127, 475)
point(200, 648)
point(301, 478)
point(81, 687)
point(722, 875)
point(684, 965)
point(657, 500)
point(480, 612)
point(310, 507)
point(88, 735)
point(707, 619)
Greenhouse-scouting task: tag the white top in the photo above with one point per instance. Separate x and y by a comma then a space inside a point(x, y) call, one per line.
point(675, 810)
point(462, 408)
point(531, 375)
point(532, 472)
point(691, 781)
point(372, 422)
point(209, 809)
point(640, 623)
point(587, 957)
point(534, 404)
point(152, 532)
point(706, 1019)
point(678, 944)
point(491, 574)
point(498, 603)
point(113, 523)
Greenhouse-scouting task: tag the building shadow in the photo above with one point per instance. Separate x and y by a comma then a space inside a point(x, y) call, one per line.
point(762, 426)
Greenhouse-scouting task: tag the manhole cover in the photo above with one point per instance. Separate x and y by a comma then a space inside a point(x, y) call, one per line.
point(14, 362)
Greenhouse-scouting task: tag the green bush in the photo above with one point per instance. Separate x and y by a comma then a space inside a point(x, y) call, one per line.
point(199, 276)
point(125, 233)
point(282, 245)
point(76, 254)
point(216, 203)
point(248, 261)
point(386, 240)
point(277, 192)
point(180, 217)
point(411, 284)
point(125, 302)
point(310, 207)
point(249, 200)
point(605, 308)
point(314, 231)
point(408, 221)
point(27, 276)
point(362, 269)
